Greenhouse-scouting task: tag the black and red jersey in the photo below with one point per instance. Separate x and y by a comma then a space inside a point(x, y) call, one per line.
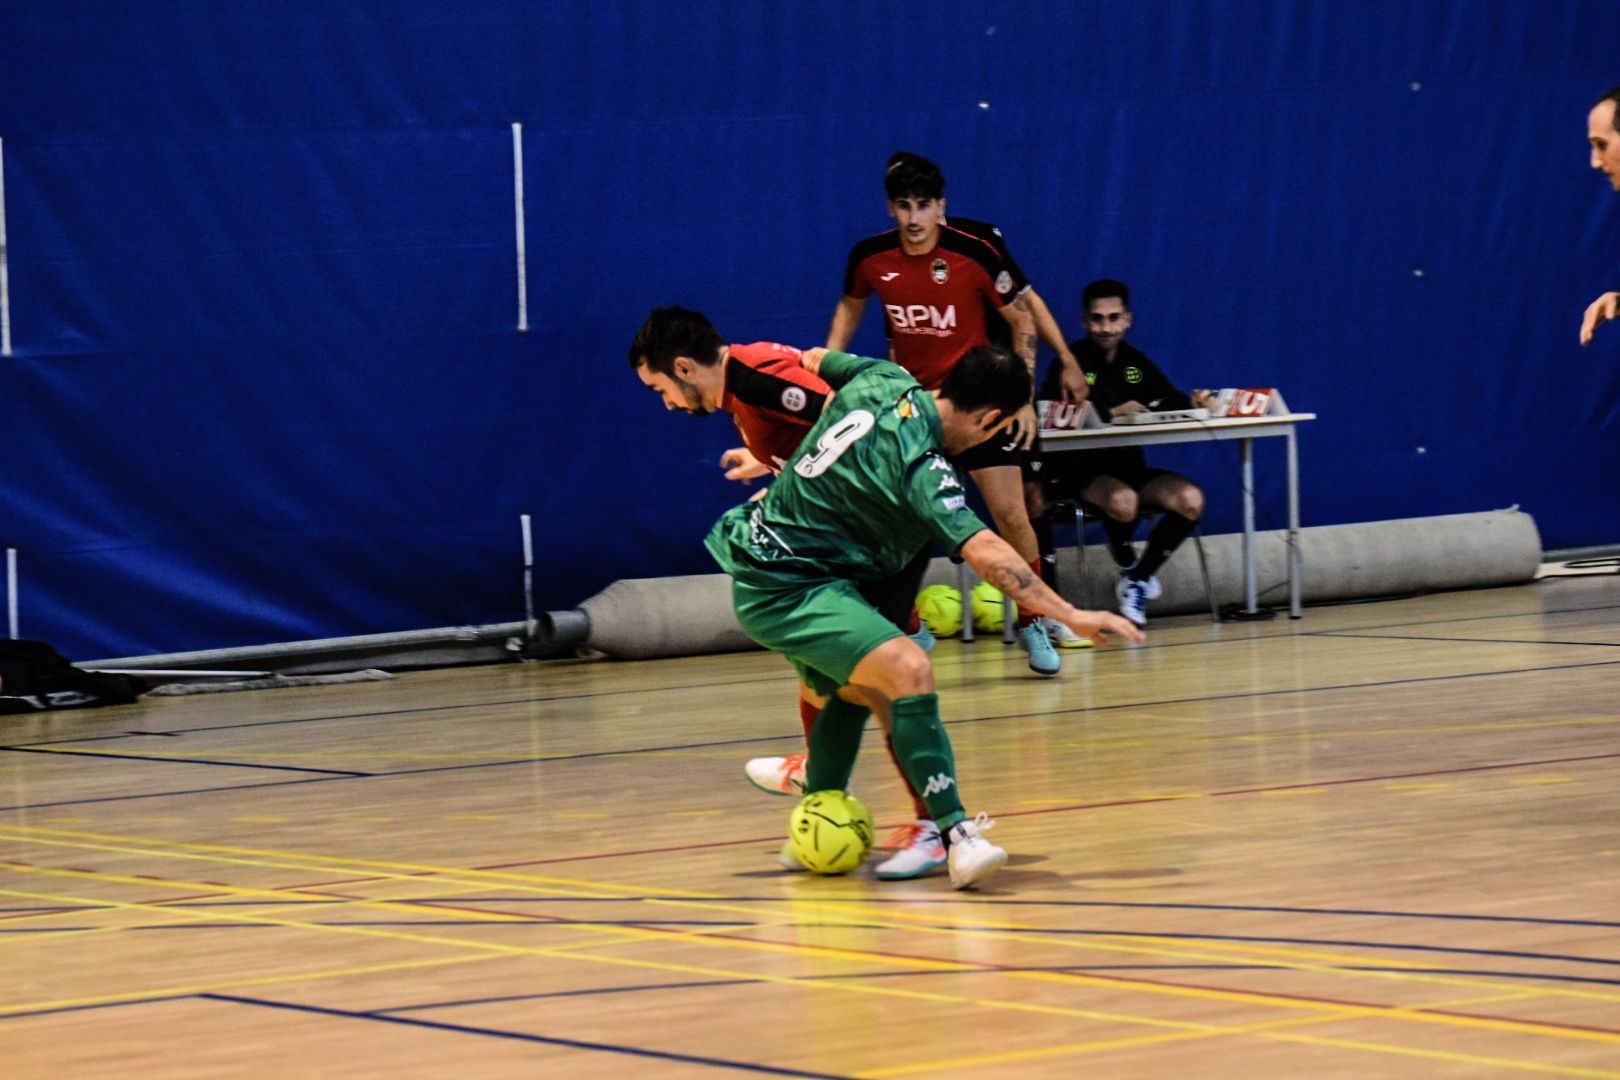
point(935, 303)
point(772, 399)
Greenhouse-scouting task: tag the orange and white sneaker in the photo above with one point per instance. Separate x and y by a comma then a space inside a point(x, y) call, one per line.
point(777, 775)
point(918, 850)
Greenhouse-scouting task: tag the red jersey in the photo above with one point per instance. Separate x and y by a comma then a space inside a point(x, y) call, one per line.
point(772, 399)
point(934, 303)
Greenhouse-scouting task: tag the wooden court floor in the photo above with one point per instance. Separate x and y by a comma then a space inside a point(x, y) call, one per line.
point(1382, 841)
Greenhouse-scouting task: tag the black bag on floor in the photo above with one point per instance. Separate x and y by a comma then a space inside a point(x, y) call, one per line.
point(35, 677)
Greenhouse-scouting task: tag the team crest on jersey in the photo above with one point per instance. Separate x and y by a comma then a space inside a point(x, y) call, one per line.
point(1133, 374)
point(793, 399)
point(941, 271)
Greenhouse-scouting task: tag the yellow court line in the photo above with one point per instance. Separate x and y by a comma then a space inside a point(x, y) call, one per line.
point(1447, 1055)
point(1175, 949)
point(1294, 959)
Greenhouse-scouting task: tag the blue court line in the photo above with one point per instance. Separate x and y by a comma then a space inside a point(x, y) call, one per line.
point(548, 1040)
point(910, 901)
point(34, 749)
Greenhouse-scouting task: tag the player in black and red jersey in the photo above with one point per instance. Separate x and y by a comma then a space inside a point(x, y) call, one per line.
point(773, 400)
point(935, 282)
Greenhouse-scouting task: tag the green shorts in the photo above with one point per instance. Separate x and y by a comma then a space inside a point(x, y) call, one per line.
point(824, 627)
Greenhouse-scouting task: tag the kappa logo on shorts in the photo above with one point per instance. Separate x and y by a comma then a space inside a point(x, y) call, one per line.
point(939, 464)
point(949, 482)
point(937, 783)
point(793, 399)
point(1003, 282)
point(941, 271)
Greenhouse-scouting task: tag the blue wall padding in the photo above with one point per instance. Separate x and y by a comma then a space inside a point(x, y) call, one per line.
point(267, 381)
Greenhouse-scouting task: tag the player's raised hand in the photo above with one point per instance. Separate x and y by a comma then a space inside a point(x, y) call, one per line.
point(1024, 426)
point(741, 465)
point(1600, 311)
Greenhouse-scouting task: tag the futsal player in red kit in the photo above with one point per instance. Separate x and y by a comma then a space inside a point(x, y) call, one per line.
point(773, 400)
point(935, 283)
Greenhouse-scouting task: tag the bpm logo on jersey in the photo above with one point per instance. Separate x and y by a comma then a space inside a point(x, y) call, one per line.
point(793, 399)
point(941, 271)
point(922, 318)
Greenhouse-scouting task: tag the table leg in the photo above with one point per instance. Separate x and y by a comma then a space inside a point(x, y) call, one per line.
point(1294, 573)
point(1250, 597)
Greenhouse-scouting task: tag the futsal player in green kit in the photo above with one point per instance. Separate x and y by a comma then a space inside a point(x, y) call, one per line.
point(867, 489)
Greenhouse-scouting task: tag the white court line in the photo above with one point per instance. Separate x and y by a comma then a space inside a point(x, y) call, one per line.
point(5, 279)
point(522, 246)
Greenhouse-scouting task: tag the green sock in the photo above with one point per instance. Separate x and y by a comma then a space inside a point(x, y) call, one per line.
point(834, 742)
point(925, 754)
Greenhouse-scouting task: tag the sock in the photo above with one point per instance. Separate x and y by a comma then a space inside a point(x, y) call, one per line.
point(1166, 535)
point(808, 711)
point(834, 742)
point(925, 754)
point(1027, 617)
point(919, 808)
point(1119, 540)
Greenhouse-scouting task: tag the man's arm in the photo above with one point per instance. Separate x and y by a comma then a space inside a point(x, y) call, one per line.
point(1600, 311)
point(846, 319)
point(996, 562)
point(1018, 317)
point(1075, 387)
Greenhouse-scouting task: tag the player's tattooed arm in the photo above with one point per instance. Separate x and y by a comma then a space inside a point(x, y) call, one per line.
point(1075, 387)
point(996, 562)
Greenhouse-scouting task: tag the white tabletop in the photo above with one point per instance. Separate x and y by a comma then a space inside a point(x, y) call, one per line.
point(1218, 428)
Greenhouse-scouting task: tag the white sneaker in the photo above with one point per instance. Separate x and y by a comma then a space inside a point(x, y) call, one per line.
point(972, 858)
point(777, 775)
point(1134, 595)
point(918, 850)
point(1063, 637)
point(788, 858)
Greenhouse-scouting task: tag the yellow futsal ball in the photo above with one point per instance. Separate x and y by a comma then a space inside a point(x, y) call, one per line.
point(987, 609)
point(940, 606)
point(831, 832)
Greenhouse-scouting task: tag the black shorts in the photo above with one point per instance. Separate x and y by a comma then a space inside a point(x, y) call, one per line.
point(1066, 474)
point(895, 596)
point(998, 451)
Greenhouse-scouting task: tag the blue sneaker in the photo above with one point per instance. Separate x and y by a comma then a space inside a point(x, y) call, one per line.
point(1043, 659)
point(924, 637)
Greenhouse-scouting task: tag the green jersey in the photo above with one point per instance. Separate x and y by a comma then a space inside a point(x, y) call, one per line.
point(868, 487)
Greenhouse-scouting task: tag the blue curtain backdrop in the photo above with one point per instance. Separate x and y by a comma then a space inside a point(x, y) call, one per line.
point(267, 382)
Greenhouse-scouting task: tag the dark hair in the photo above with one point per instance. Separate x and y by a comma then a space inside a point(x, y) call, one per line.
point(674, 331)
point(1614, 96)
point(912, 176)
point(987, 376)
point(1102, 289)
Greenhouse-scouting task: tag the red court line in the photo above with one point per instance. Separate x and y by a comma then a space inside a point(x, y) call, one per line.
point(1145, 800)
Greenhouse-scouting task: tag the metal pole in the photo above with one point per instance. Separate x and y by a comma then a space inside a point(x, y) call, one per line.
point(528, 579)
point(522, 243)
point(11, 592)
point(5, 280)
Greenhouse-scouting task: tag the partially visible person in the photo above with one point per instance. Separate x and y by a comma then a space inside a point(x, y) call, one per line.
point(1604, 136)
point(1116, 483)
point(935, 282)
point(870, 487)
point(679, 355)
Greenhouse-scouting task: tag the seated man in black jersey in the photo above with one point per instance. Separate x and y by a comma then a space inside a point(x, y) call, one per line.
point(1116, 483)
